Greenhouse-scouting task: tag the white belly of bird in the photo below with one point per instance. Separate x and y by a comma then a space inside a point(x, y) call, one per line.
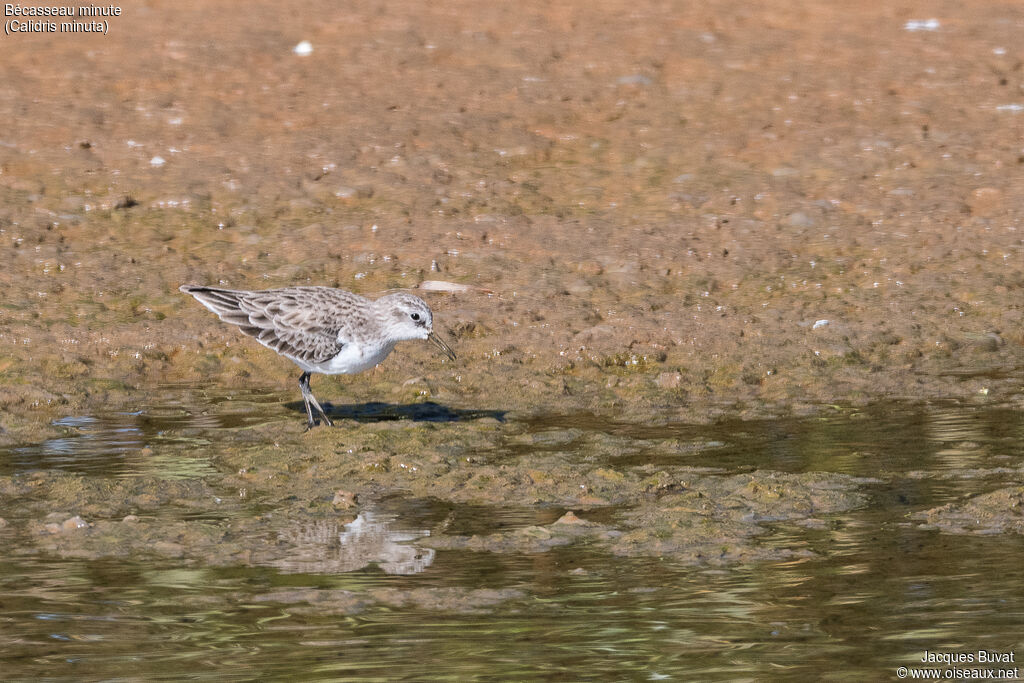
point(353, 358)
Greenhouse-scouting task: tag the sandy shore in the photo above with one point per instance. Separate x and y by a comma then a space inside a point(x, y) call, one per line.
point(658, 210)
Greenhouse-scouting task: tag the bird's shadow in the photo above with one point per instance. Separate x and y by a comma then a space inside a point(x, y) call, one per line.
point(383, 412)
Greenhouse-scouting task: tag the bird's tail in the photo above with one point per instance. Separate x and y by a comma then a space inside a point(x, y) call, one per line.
point(226, 303)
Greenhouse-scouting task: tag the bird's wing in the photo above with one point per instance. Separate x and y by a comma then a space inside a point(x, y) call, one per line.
point(302, 323)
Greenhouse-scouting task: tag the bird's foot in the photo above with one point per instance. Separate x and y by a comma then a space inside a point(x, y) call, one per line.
point(325, 420)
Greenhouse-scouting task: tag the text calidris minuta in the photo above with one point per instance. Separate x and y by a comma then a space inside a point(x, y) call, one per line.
point(322, 329)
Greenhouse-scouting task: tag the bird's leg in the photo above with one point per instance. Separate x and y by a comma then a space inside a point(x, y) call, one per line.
point(316, 405)
point(306, 395)
point(310, 399)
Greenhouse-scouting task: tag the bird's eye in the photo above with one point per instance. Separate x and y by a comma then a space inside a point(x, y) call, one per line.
point(415, 316)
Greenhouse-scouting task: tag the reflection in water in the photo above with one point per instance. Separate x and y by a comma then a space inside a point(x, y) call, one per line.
point(959, 437)
point(159, 441)
point(122, 444)
point(881, 438)
point(325, 547)
point(878, 591)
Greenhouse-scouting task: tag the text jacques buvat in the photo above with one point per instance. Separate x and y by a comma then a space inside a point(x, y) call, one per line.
point(58, 19)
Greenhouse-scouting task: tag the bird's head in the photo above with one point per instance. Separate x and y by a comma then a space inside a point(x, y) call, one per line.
point(408, 317)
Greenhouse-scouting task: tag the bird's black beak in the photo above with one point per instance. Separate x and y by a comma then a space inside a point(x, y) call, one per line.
point(440, 343)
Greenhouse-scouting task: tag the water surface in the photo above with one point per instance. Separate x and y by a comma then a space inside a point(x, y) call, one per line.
point(368, 603)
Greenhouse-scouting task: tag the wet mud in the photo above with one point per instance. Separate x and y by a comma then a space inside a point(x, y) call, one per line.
point(996, 512)
point(318, 511)
point(724, 208)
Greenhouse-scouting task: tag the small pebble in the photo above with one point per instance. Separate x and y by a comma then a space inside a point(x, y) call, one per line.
point(344, 499)
point(74, 523)
point(442, 286)
point(922, 25)
point(986, 202)
point(570, 518)
point(799, 219)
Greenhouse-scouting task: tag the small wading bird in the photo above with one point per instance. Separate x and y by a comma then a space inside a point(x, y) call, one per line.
point(322, 329)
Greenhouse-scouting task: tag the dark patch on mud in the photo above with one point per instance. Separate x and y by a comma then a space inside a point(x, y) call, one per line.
point(427, 411)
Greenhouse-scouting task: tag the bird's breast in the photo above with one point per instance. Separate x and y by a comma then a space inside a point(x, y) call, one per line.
point(355, 357)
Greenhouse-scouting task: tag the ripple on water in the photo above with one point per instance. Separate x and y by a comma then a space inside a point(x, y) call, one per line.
point(164, 441)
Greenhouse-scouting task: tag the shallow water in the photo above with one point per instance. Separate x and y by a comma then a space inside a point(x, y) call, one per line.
point(365, 600)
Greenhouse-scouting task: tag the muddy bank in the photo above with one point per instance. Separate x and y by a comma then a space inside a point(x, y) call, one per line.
point(687, 516)
point(726, 208)
point(321, 503)
point(236, 482)
point(997, 512)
